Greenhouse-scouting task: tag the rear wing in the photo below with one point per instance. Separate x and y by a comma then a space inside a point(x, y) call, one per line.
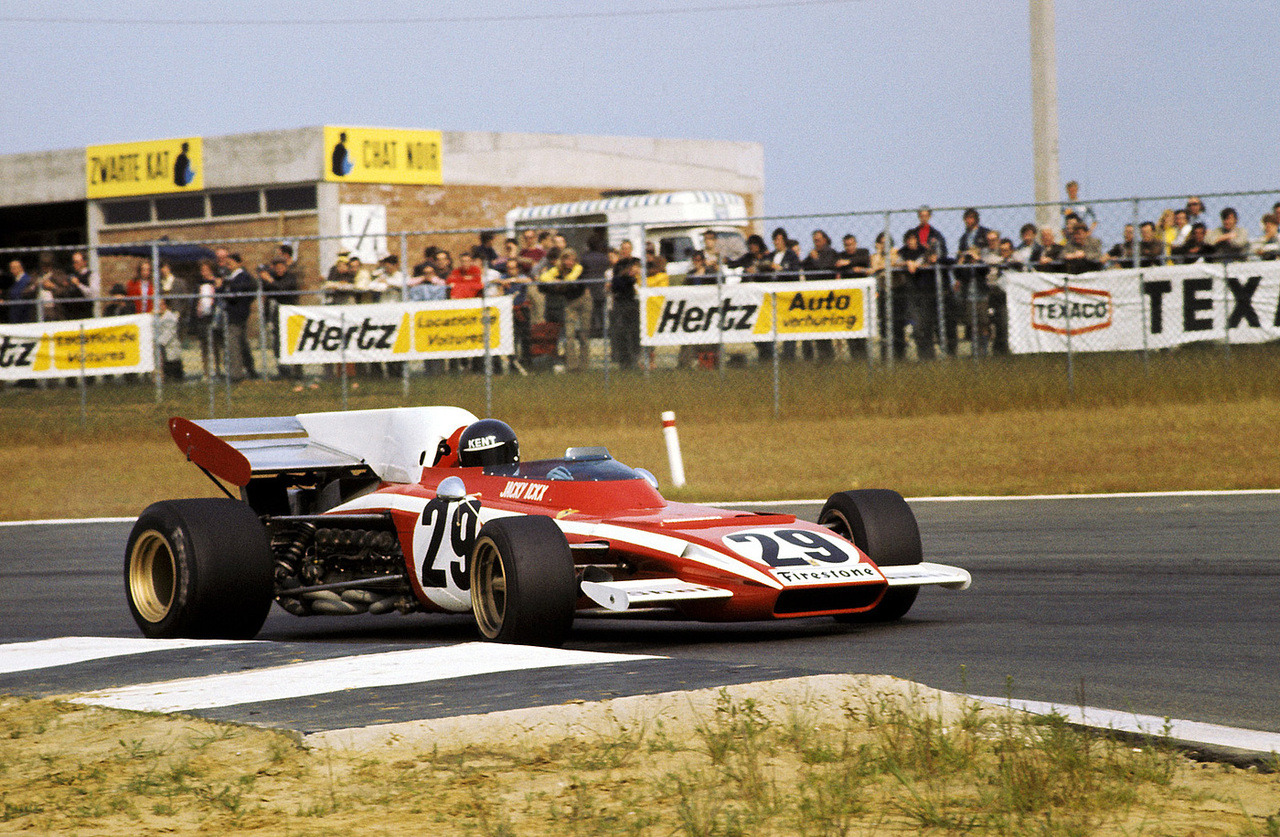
point(236, 450)
point(392, 443)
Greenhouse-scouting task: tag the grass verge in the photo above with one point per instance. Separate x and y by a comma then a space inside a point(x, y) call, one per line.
point(882, 758)
point(1193, 419)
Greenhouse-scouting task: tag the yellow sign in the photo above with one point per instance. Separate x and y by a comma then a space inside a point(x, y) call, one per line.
point(107, 347)
point(453, 330)
point(144, 168)
point(394, 330)
point(809, 312)
point(382, 155)
point(744, 313)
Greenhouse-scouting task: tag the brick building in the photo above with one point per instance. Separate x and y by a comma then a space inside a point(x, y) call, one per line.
point(291, 184)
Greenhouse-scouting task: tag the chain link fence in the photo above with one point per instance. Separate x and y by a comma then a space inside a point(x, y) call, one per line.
point(647, 306)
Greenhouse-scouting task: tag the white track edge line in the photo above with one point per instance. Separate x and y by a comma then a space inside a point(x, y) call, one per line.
point(1196, 732)
point(982, 498)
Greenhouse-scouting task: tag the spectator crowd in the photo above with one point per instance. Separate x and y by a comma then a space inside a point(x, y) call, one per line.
point(562, 298)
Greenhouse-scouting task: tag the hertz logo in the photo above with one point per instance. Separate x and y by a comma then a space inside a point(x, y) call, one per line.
point(321, 335)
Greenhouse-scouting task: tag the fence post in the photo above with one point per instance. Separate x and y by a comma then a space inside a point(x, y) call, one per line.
point(342, 357)
point(886, 328)
point(605, 332)
point(776, 382)
point(1226, 306)
point(974, 337)
point(488, 356)
point(404, 297)
point(1137, 236)
point(263, 349)
point(942, 309)
point(720, 313)
point(154, 291)
point(84, 406)
point(647, 353)
point(1066, 307)
point(213, 378)
point(1142, 300)
point(226, 352)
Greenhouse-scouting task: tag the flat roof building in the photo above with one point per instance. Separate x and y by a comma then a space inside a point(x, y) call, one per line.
point(335, 181)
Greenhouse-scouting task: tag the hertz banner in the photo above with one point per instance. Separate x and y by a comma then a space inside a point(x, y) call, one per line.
point(744, 313)
point(393, 331)
point(1155, 308)
point(382, 155)
point(108, 345)
point(144, 168)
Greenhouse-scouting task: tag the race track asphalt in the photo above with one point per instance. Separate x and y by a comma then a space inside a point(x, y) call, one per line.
point(1164, 605)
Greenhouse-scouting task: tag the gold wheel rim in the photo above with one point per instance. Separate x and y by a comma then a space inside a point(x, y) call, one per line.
point(488, 588)
point(153, 576)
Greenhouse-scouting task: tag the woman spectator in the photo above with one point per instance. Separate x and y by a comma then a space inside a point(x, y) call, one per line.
point(784, 261)
point(141, 289)
point(206, 309)
point(1167, 228)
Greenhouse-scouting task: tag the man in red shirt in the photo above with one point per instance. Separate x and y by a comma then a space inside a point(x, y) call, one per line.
point(465, 282)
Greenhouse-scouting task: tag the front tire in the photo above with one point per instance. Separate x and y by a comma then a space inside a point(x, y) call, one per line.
point(199, 569)
point(881, 524)
point(523, 586)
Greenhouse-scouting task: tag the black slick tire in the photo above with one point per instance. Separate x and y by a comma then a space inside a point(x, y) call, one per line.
point(880, 523)
point(523, 586)
point(200, 569)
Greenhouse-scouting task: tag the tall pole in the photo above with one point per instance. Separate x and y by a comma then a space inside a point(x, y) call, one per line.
point(1044, 111)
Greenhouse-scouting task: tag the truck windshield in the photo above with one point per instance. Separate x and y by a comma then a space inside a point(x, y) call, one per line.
point(676, 248)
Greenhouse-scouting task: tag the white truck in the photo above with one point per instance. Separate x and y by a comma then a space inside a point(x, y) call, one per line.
point(674, 221)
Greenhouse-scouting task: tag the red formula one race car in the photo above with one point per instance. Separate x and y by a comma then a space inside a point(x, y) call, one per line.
point(431, 509)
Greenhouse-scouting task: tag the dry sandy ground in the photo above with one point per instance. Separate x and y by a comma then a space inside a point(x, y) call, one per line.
point(829, 755)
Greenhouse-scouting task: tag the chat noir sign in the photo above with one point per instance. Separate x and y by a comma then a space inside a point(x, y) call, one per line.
point(382, 155)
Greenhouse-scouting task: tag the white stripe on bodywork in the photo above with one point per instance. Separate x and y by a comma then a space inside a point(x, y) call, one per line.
point(365, 671)
point(68, 650)
point(384, 501)
point(654, 541)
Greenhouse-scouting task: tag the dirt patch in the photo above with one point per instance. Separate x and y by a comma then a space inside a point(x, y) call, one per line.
point(837, 754)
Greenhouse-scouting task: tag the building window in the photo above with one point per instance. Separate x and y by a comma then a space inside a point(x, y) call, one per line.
point(127, 212)
point(191, 207)
point(234, 203)
point(291, 199)
point(179, 207)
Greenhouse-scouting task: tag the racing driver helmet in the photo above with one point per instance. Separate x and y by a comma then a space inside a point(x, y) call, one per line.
point(488, 442)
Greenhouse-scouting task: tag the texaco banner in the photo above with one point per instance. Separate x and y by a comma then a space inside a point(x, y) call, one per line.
point(1155, 308)
point(63, 348)
point(394, 331)
point(744, 313)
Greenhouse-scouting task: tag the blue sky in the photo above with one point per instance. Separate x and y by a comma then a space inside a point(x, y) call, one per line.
point(859, 105)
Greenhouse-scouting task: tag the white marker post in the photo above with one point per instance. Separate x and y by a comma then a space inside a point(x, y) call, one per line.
point(673, 449)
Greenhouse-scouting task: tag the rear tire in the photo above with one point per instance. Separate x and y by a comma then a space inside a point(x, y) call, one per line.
point(881, 524)
point(199, 569)
point(523, 586)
